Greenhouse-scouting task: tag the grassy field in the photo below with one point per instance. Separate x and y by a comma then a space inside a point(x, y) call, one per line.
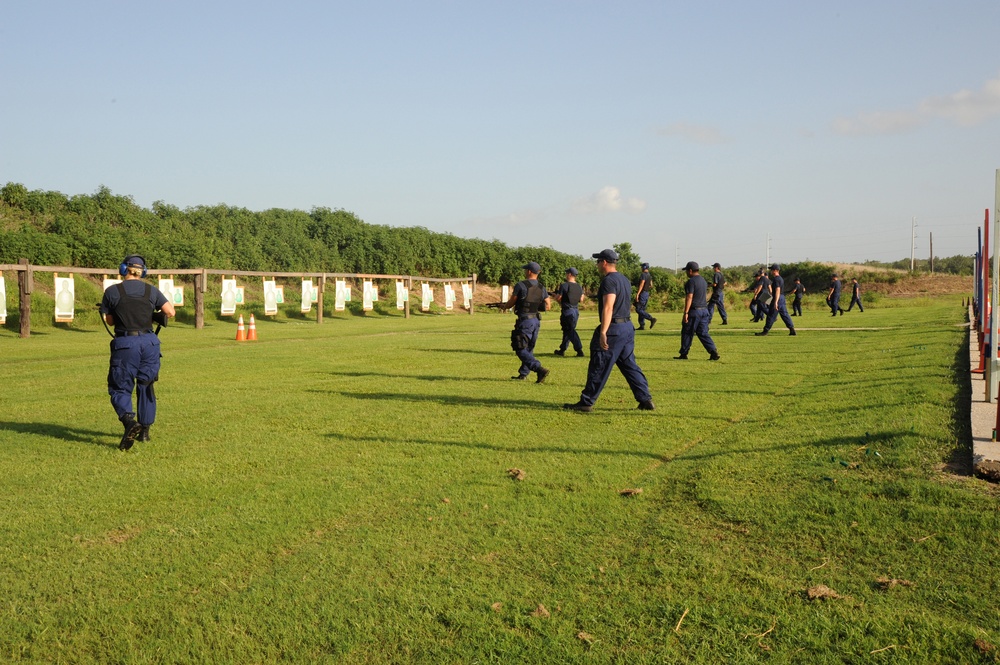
point(341, 493)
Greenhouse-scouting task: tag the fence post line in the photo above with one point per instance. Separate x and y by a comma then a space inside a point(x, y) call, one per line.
point(25, 281)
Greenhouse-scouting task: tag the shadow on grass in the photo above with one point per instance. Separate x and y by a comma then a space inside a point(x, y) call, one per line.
point(870, 440)
point(451, 400)
point(418, 377)
point(61, 432)
point(469, 351)
point(960, 460)
point(479, 445)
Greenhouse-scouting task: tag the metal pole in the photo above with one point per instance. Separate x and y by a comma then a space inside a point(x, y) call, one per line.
point(991, 385)
point(913, 239)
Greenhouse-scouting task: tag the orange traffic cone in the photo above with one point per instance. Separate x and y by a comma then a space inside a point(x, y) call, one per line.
point(240, 334)
point(252, 331)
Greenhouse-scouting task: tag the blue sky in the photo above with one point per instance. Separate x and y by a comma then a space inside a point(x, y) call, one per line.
point(712, 131)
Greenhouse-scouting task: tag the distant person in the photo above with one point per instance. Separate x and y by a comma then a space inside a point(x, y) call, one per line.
point(613, 343)
point(797, 290)
point(833, 297)
point(695, 320)
point(855, 295)
point(130, 307)
point(763, 296)
point(528, 299)
point(568, 295)
point(718, 298)
point(754, 290)
point(642, 298)
point(777, 307)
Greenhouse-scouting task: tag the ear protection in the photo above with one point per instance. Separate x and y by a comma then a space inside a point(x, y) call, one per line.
point(123, 266)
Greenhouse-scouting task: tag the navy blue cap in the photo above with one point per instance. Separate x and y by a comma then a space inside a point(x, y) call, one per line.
point(134, 260)
point(692, 266)
point(532, 266)
point(645, 266)
point(609, 255)
point(572, 271)
point(775, 266)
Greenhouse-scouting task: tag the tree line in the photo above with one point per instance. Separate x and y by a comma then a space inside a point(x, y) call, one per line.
point(97, 230)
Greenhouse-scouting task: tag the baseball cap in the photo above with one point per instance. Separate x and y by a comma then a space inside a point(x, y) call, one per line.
point(572, 271)
point(716, 265)
point(645, 266)
point(134, 260)
point(532, 266)
point(692, 266)
point(609, 255)
point(775, 266)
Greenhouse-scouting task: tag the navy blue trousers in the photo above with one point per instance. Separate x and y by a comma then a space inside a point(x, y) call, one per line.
point(567, 321)
point(620, 354)
point(697, 325)
point(720, 303)
point(797, 307)
point(640, 309)
point(855, 299)
point(778, 309)
point(528, 330)
point(835, 303)
point(135, 366)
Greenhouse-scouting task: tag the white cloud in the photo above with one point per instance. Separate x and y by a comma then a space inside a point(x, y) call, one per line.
point(702, 134)
point(608, 199)
point(965, 107)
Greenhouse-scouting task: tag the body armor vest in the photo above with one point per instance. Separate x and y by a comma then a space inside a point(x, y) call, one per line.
point(530, 304)
point(133, 313)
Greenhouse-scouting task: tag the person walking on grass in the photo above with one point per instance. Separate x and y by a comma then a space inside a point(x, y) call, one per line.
point(855, 295)
point(528, 299)
point(797, 291)
point(613, 342)
point(777, 303)
point(833, 297)
point(642, 298)
point(718, 298)
point(695, 320)
point(130, 307)
point(568, 295)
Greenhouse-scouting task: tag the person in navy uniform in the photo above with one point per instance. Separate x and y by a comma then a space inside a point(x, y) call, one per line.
point(797, 290)
point(642, 298)
point(718, 298)
point(613, 343)
point(777, 303)
point(763, 297)
point(528, 299)
point(129, 308)
point(695, 314)
point(833, 297)
point(855, 295)
point(754, 290)
point(568, 295)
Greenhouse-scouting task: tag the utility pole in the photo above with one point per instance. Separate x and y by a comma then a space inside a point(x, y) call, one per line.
point(767, 251)
point(913, 239)
point(677, 256)
point(930, 261)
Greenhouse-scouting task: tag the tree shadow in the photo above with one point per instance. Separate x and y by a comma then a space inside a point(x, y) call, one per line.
point(451, 400)
point(418, 377)
point(470, 351)
point(960, 460)
point(60, 432)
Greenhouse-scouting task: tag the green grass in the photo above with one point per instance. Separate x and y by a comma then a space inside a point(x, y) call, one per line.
point(339, 493)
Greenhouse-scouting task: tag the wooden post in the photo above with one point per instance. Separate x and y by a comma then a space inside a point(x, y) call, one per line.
point(472, 306)
point(200, 286)
point(25, 283)
point(409, 291)
point(319, 298)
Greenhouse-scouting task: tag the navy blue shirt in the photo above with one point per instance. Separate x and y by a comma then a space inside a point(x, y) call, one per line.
point(778, 282)
point(648, 279)
point(697, 287)
point(836, 286)
point(718, 281)
point(798, 291)
point(855, 289)
point(618, 284)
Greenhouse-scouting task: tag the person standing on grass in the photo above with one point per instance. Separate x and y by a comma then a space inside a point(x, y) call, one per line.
point(833, 297)
point(718, 298)
point(855, 295)
point(642, 298)
point(613, 342)
point(568, 295)
point(129, 307)
point(777, 303)
point(763, 296)
point(797, 291)
point(695, 320)
point(528, 299)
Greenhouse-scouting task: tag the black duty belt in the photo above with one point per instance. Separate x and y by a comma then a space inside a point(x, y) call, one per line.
point(522, 317)
point(694, 308)
point(131, 333)
point(624, 320)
